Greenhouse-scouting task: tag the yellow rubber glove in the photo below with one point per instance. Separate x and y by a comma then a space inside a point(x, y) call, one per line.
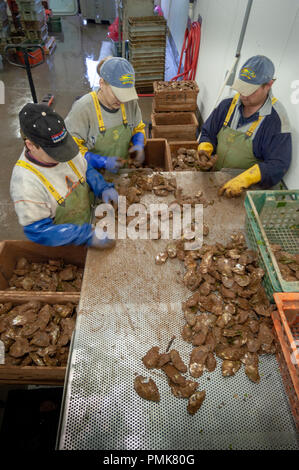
point(234, 187)
point(206, 147)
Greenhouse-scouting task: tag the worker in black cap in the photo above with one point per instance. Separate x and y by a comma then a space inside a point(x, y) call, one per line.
point(52, 185)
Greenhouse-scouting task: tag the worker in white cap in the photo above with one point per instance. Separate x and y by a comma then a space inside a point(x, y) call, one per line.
point(250, 131)
point(107, 124)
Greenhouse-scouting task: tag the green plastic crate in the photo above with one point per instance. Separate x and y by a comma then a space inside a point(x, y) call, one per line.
point(272, 217)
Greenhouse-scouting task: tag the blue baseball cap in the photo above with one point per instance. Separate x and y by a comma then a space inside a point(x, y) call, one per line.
point(255, 72)
point(120, 75)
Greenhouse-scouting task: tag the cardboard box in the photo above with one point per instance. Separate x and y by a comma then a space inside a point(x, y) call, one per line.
point(12, 250)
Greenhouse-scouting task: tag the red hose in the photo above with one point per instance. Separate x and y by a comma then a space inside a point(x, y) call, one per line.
point(190, 48)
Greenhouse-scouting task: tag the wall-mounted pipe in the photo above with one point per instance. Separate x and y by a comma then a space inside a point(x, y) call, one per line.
point(230, 76)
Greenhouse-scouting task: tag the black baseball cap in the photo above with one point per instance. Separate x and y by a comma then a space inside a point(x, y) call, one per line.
point(47, 129)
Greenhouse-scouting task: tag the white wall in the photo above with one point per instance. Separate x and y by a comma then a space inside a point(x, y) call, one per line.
point(272, 30)
point(176, 13)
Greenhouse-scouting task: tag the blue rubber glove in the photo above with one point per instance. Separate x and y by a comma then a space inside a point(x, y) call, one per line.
point(112, 164)
point(45, 232)
point(96, 242)
point(138, 147)
point(96, 181)
point(110, 195)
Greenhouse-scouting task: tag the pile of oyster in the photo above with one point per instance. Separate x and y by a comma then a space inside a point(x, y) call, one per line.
point(228, 313)
point(36, 333)
point(173, 367)
point(133, 188)
point(53, 275)
point(192, 160)
point(137, 184)
point(132, 164)
point(186, 160)
point(182, 85)
point(288, 263)
point(142, 183)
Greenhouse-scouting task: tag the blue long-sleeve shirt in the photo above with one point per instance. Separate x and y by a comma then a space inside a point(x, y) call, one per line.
point(272, 143)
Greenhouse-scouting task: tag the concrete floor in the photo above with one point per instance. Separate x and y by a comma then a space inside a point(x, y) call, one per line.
point(68, 73)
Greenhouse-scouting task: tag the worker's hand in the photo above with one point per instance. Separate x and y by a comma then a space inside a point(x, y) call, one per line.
point(113, 164)
point(205, 161)
point(236, 186)
point(232, 189)
point(138, 147)
point(207, 147)
point(110, 195)
point(101, 244)
point(139, 158)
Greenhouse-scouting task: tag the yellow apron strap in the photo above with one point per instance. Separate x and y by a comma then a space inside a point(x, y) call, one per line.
point(123, 112)
point(98, 111)
point(55, 194)
point(256, 123)
point(254, 126)
point(76, 171)
point(231, 109)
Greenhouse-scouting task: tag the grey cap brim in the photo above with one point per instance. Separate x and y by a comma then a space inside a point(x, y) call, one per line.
point(66, 151)
point(244, 88)
point(124, 94)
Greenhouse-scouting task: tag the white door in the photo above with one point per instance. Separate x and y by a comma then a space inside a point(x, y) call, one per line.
point(63, 7)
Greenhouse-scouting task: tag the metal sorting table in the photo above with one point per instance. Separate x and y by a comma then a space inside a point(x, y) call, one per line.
point(129, 304)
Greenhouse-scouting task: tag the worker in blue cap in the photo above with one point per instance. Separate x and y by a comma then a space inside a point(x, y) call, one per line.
point(106, 124)
point(250, 131)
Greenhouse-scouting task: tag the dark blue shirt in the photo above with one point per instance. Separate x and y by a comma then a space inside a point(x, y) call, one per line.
point(272, 143)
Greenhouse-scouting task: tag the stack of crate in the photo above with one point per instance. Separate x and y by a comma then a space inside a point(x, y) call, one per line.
point(33, 19)
point(4, 26)
point(147, 46)
point(173, 116)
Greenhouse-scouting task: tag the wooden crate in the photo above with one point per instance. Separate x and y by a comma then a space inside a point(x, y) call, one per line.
point(174, 126)
point(175, 99)
point(35, 375)
point(157, 154)
point(12, 250)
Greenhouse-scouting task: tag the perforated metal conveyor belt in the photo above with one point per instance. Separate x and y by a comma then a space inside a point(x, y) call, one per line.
point(129, 304)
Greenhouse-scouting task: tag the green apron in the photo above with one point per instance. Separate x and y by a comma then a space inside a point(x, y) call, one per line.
point(235, 148)
point(75, 208)
point(113, 142)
